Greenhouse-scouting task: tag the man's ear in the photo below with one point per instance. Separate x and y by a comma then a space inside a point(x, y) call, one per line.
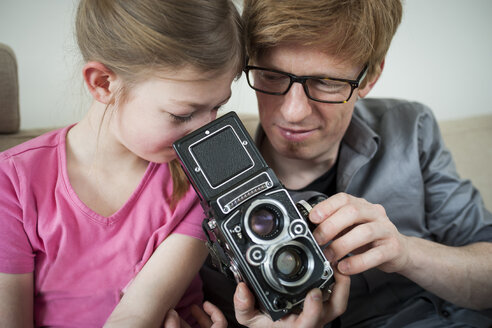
point(370, 84)
point(98, 79)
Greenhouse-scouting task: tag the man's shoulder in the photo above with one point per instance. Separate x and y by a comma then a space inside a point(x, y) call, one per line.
point(378, 107)
point(379, 112)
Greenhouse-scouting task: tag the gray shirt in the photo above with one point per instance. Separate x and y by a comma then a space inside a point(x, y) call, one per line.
point(393, 154)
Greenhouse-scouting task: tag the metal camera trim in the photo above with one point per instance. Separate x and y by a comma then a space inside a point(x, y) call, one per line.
point(269, 272)
point(283, 211)
point(253, 259)
point(241, 198)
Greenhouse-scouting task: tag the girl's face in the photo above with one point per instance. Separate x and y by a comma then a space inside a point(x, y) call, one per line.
point(166, 107)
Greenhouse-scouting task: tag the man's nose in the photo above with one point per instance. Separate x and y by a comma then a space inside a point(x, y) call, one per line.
point(295, 106)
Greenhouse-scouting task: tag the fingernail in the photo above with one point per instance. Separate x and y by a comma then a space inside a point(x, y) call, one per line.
point(343, 267)
point(315, 215)
point(241, 293)
point(316, 295)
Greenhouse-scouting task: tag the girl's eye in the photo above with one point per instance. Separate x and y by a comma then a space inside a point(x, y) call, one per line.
point(181, 119)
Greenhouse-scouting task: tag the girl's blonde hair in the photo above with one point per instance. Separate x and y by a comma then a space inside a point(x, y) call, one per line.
point(136, 38)
point(358, 30)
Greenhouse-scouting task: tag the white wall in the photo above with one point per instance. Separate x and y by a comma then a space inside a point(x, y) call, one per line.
point(441, 55)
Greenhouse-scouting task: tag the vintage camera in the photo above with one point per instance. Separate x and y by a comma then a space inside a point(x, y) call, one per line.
point(258, 234)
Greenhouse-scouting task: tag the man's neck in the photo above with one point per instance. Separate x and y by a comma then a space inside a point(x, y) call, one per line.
point(296, 173)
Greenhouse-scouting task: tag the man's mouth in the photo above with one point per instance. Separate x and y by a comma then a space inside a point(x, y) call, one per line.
point(295, 135)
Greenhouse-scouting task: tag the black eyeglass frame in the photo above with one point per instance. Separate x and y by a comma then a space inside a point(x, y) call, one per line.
point(354, 84)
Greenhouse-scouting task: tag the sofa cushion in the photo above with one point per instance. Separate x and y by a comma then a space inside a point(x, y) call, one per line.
point(9, 91)
point(470, 141)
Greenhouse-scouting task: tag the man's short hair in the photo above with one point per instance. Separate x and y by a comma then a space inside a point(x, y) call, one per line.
point(358, 30)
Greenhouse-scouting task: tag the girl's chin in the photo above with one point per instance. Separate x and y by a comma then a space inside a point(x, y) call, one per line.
point(165, 156)
point(167, 159)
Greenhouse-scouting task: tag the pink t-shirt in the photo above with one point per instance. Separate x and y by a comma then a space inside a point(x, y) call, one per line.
point(81, 260)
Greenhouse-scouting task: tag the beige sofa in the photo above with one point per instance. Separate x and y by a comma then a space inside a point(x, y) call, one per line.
point(469, 139)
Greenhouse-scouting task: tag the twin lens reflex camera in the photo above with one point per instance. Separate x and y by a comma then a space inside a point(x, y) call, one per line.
point(256, 232)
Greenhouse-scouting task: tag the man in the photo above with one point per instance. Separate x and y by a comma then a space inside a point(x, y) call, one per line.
point(413, 237)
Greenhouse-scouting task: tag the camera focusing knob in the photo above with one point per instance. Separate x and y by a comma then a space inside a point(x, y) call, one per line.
point(304, 208)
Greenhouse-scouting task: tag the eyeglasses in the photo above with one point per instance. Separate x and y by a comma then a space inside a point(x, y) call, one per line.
point(323, 89)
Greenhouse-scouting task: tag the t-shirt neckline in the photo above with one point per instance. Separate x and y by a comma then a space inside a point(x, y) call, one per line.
point(122, 211)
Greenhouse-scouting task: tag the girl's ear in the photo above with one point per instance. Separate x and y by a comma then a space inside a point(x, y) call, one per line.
point(370, 84)
point(98, 79)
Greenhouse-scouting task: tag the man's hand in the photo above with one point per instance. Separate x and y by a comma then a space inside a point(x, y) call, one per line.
point(361, 228)
point(209, 317)
point(315, 313)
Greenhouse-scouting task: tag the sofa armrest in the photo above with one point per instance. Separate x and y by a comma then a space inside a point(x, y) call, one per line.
point(470, 143)
point(9, 91)
point(11, 140)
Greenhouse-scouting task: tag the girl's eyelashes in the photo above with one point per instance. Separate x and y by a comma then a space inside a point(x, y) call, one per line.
point(187, 118)
point(181, 119)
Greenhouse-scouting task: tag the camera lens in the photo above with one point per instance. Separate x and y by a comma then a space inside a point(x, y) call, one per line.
point(266, 220)
point(290, 263)
point(263, 222)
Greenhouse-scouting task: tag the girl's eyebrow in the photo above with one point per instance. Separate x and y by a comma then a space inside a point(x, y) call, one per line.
point(200, 106)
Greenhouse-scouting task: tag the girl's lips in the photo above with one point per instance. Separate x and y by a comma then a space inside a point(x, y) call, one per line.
point(295, 135)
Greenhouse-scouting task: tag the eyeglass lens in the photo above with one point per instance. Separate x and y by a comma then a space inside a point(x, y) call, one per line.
point(319, 89)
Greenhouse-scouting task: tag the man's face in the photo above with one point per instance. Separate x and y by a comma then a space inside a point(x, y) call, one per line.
point(296, 126)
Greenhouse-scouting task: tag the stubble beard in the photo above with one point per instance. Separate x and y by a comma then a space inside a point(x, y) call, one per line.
point(295, 147)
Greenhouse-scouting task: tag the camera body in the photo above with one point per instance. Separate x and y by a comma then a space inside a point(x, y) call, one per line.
point(256, 233)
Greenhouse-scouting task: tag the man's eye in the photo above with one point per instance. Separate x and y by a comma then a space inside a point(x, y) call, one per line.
point(327, 85)
point(272, 77)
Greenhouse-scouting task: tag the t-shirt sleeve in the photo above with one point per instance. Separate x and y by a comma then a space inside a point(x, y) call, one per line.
point(192, 214)
point(16, 255)
point(186, 219)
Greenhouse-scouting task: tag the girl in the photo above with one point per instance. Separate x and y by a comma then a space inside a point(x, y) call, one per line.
point(83, 208)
